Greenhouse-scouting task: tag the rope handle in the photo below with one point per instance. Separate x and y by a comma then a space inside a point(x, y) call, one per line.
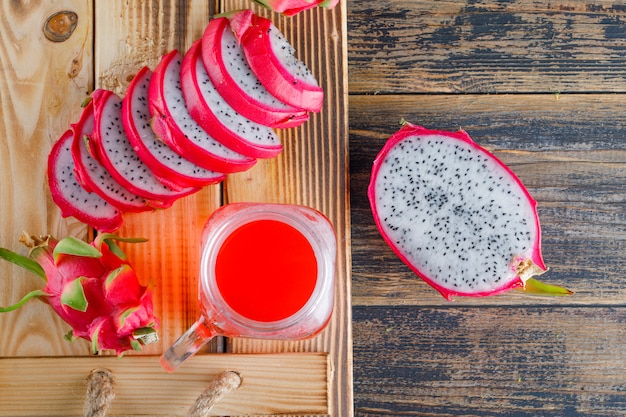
point(100, 393)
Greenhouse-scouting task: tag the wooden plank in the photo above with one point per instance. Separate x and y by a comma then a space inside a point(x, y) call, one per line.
point(129, 36)
point(575, 169)
point(519, 361)
point(42, 84)
point(271, 384)
point(132, 35)
point(312, 170)
point(485, 46)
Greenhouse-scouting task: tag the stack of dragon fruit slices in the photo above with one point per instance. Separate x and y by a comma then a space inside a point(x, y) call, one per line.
point(194, 119)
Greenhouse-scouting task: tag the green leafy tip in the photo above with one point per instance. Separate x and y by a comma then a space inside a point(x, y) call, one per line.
point(23, 262)
point(32, 294)
point(74, 246)
point(262, 3)
point(231, 13)
point(74, 297)
point(115, 275)
point(146, 335)
point(125, 314)
point(136, 345)
point(95, 347)
point(534, 286)
point(69, 336)
point(86, 102)
point(110, 240)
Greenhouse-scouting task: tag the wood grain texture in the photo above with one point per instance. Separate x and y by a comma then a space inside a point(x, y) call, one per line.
point(130, 36)
point(312, 170)
point(511, 355)
point(575, 169)
point(271, 384)
point(41, 87)
point(500, 361)
point(486, 46)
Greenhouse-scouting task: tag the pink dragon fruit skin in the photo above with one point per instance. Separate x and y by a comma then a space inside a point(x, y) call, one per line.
point(173, 124)
point(293, 7)
point(456, 215)
point(93, 288)
point(230, 73)
point(71, 197)
point(93, 176)
point(215, 115)
point(168, 166)
point(272, 60)
point(110, 145)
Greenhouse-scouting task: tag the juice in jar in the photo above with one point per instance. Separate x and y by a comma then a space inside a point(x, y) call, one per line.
point(266, 270)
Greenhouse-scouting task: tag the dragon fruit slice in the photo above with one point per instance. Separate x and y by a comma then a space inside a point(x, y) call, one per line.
point(455, 214)
point(215, 115)
point(231, 75)
point(173, 124)
point(93, 176)
point(169, 167)
point(271, 59)
point(69, 194)
point(111, 147)
point(92, 287)
point(293, 7)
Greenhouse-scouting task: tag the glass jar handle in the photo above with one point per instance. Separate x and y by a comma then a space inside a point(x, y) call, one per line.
point(187, 345)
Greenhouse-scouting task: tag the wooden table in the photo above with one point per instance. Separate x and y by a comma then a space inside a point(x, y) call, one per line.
point(42, 85)
point(541, 84)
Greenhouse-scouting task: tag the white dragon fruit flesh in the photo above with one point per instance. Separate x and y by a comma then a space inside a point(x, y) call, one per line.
point(167, 165)
point(231, 75)
point(92, 287)
point(70, 196)
point(215, 115)
point(190, 122)
point(173, 124)
point(93, 176)
point(111, 147)
point(271, 58)
point(455, 214)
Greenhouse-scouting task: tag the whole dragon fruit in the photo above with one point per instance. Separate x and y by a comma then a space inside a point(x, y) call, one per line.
point(92, 287)
point(456, 215)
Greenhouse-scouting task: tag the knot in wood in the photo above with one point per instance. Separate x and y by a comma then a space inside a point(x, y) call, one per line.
point(60, 26)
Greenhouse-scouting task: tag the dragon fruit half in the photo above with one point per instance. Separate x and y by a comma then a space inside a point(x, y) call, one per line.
point(456, 215)
point(92, 287)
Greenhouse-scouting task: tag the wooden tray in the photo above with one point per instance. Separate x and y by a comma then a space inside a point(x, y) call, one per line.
point(41, 87)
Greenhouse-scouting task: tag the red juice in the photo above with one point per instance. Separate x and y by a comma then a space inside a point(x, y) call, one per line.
point(266, 270)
